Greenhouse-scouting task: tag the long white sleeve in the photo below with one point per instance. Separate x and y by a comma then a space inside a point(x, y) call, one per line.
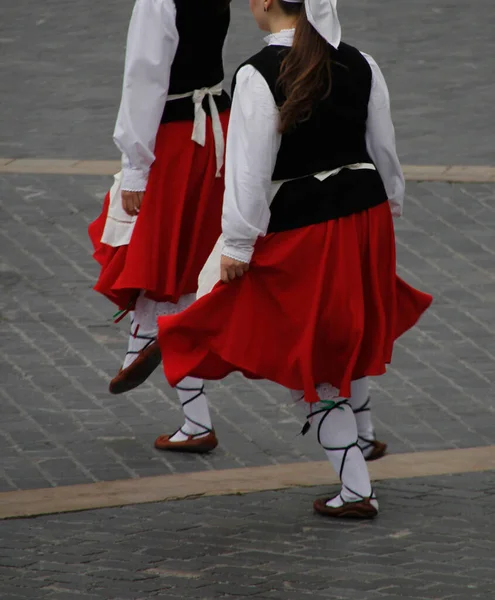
point(380, 139)
point(151, 46)
point(253, 142)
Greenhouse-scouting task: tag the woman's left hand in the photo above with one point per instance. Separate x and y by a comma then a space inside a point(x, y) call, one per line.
point(231, 268)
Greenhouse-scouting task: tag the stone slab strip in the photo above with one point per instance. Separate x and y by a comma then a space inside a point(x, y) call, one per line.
point(453, 174)
point(30, 503)
point(450, 174)
point(59, 166)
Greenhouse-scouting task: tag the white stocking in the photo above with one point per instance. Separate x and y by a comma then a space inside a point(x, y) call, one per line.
point(144, 328)
point(196, 412)
point(360, 404)
point(336, 430)
point(190, 390)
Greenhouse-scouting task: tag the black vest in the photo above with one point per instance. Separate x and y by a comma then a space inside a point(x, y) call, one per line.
point(198, 62)
point(333, 137)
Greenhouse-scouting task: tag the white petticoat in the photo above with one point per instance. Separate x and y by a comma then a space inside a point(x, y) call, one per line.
point(119, 225)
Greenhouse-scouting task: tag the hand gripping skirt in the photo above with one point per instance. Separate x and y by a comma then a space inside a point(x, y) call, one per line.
point(319, 304)
point(177, 227)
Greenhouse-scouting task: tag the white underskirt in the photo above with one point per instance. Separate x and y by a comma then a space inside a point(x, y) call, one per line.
point(119, 225)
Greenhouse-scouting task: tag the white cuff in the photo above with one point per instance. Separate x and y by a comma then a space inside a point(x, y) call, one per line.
point(134, 180)
point(241, 254)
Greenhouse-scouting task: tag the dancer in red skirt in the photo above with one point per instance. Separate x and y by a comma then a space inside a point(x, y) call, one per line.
point(309, 296)
point(163, 216)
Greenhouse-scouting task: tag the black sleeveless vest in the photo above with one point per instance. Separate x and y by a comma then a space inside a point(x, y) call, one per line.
point(198, 63)
point(333, 137)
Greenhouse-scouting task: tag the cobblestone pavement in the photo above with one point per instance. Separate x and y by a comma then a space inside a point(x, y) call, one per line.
point(434, 539)
point(59, 348)
point(59, 426)
point(63, 62)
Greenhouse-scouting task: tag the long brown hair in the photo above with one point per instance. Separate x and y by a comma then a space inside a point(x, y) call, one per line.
point(306, 74)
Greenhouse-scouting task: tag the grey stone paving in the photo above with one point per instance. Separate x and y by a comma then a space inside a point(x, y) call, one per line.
point(61, 68)
point(434, 540)
point(59, 348)
point(62, 62)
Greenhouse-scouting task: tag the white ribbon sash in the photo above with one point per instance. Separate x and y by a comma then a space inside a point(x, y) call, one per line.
point(199, 129)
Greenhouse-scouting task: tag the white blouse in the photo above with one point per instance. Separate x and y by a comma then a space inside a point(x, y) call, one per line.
point(152, 42)
point(253, 142)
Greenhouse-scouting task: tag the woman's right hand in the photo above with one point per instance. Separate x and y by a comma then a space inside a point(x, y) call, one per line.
point(231, 269)
point(131, 202)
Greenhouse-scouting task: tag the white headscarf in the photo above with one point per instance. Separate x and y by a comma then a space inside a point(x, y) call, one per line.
point(322, 14)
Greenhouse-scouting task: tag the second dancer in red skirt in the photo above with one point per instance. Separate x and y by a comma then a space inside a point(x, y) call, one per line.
point(162, 217)
point(309, 297)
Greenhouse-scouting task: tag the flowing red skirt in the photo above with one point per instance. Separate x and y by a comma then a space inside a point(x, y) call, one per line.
point(319, 304)
point(178, 223)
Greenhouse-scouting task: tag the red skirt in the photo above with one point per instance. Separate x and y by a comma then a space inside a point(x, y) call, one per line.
point(178, 223)
point(319, 304)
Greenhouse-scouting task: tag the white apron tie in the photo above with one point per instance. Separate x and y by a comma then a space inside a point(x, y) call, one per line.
point(199, 128)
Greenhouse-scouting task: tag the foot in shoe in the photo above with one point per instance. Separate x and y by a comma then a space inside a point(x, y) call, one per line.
point(372, 449)
point(194, 444)
point(138, 341)
point(365, 508)
point(187, 430)
point(338, 502)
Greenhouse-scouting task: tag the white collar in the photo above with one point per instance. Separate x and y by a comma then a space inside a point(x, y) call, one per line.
point(281, 38)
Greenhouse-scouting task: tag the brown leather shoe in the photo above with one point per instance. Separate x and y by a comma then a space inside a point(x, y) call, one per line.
point(379, 450)
point(193, 444)
point(138, 371)
point(349, 510)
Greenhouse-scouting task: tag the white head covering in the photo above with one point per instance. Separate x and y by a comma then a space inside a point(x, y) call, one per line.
point(322, 14)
